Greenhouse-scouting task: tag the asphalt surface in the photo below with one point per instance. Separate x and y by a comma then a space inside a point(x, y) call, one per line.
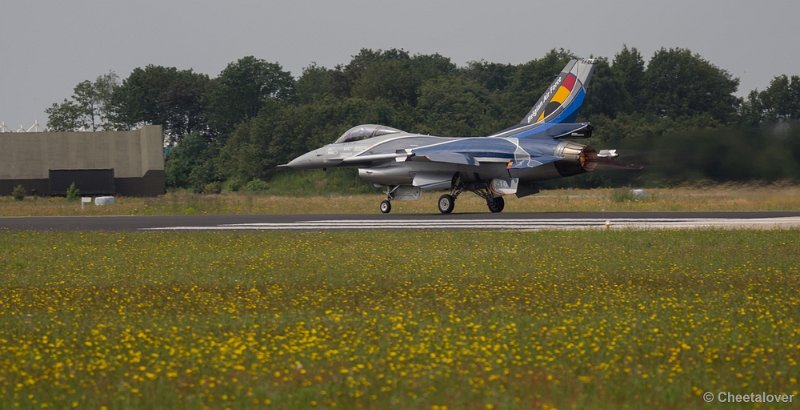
point(377, 221)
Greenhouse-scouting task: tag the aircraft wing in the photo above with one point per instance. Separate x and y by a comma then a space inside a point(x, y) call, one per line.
point(466, 151)
point(400, 156)
point(457, 158)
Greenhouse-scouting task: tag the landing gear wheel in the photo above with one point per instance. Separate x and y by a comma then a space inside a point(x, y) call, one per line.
point(496, 204)
point(386, 206)
point(446, 203)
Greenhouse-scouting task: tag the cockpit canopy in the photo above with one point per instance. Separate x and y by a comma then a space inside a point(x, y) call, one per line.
point(365, 131)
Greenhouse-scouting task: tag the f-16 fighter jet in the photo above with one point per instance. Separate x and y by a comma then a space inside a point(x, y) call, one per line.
point(509, 162)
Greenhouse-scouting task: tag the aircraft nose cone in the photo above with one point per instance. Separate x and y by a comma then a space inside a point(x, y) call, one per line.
point(297, 163)
point(306, 161)
point(294, 163)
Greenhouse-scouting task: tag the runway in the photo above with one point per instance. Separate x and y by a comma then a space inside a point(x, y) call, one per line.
point(507, 221)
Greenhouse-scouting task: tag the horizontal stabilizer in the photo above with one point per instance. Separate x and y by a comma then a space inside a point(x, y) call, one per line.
point(607, 153)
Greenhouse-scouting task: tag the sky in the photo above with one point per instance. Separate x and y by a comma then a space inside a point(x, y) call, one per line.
point(48, 46)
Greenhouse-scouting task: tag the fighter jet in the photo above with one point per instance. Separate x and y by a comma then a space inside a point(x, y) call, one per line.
point(509, 162)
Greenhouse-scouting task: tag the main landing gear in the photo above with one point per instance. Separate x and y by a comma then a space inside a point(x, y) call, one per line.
point(447, 202)
point(496, 204)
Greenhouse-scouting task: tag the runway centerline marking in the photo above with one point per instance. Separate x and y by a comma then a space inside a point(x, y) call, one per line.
point(503, 224)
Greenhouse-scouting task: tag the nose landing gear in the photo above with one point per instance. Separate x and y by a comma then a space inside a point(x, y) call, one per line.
point(446, 203)
point(386, 206)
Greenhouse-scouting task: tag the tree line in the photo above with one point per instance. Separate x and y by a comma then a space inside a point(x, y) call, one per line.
point(677, 114)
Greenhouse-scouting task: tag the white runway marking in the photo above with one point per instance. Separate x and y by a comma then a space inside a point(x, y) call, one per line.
point(507, 224)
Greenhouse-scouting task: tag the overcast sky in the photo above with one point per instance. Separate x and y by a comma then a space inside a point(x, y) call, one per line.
point(48, 46)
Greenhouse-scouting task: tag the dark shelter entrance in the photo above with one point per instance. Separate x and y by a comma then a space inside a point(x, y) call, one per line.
point(90, 182)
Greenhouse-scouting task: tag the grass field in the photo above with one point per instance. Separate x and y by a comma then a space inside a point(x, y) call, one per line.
point(600, 319)
point(711, 198)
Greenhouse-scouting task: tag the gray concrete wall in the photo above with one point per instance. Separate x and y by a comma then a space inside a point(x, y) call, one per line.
point(30, 155)
point(137, 158)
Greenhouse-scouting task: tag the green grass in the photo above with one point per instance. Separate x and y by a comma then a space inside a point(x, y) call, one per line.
point(709, 198)
point(600, 319)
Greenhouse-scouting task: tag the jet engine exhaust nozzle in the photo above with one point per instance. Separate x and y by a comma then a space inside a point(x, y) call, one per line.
point(576, 158)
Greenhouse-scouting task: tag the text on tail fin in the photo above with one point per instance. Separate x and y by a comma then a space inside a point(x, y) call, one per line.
point(561, 100)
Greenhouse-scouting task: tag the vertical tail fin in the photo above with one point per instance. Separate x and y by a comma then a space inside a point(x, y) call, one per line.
point(562, 99)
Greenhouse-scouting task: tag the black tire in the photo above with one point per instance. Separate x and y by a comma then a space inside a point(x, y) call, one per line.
point(446, 203)
point(496, 204)
point(386, 206)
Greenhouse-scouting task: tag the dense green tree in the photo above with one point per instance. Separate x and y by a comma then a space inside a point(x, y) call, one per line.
point(781, 100)
point(607, 96)
point(256, 147)
point(455, 106)
point(392, 74)
point(192, 163)
point(395, 76)
point(103, 89)
point(166, 96)
point(751, 109)
point(89, 103)
point(64, 116)
point(137, 100)
point(242, 88)
point(238, 159)
point(316, 82)
point(346, 76)
point(88, 108)
point(391, 80)
point(183, 104)
point(493, 76)
point(628, 69)
point(430, 66)
point(680, 83)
